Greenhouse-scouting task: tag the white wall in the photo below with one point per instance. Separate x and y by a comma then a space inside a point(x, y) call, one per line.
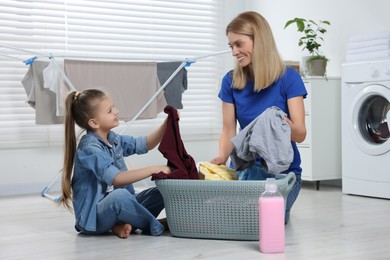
point(348, 18)
point(232, 9)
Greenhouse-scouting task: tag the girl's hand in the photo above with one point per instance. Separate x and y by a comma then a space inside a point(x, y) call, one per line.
point(166, 169)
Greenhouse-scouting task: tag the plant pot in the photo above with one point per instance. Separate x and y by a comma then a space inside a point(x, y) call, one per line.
point(316, 68)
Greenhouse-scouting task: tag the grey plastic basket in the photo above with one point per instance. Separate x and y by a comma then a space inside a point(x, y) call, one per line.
point(216, 209)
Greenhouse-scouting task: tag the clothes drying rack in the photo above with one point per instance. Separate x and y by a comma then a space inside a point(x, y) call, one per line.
point(185, 63)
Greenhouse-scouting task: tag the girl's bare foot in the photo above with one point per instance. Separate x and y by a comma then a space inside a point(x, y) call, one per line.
point(122, 230)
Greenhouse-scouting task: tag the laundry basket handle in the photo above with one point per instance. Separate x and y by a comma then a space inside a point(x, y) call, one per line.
point(291, 180)
point(288, 179)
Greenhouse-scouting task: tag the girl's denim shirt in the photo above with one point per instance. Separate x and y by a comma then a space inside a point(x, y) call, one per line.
point(96, 164)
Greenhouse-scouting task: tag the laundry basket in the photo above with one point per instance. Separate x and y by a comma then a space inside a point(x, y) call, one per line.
point(216, 209)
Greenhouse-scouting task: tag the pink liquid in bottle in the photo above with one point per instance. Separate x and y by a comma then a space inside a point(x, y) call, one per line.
point(271, 219)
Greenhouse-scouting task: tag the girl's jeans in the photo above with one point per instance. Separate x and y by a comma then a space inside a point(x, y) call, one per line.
point(256, 172)
point(139, 210)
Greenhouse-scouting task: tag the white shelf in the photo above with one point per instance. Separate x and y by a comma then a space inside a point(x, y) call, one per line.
point(321, 150)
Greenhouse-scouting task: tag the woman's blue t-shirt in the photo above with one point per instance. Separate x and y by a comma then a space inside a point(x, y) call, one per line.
point(250, 104)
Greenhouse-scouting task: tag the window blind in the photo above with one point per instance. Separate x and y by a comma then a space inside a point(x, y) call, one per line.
point(109, 30)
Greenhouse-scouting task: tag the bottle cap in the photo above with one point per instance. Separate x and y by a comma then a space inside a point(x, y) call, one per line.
point(270, 185)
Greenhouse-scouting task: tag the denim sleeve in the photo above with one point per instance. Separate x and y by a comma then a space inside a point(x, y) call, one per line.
point(133, 145)
point(94, 158)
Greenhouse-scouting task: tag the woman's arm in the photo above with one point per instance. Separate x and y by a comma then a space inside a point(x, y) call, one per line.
point(296, 110)
point(131, 176)
point(228, 132)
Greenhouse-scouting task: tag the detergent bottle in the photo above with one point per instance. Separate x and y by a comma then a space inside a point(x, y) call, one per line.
point(271, 219)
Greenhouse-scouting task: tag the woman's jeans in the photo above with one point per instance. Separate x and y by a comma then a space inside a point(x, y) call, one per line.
point(256, 172)
point(139, 210)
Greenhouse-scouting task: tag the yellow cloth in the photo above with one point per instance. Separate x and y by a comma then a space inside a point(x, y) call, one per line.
point(216, 172)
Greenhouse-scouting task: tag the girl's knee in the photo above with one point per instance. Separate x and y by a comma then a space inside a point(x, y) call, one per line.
point(120, 196)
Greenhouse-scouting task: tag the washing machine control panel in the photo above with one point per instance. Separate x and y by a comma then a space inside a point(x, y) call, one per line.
point(387, 70)
point(366, 71)
point(374, 73)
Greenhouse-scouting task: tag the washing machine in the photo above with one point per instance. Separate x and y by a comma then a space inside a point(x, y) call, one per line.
point(365, 97)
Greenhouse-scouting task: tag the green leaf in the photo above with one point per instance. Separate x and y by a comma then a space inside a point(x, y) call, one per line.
point(300, 25)
point(300, 22)
point(288, 23)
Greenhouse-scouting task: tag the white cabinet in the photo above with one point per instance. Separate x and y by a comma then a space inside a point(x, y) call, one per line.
point(321, 150)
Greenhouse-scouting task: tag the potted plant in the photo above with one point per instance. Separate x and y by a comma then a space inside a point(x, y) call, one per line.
point(311, 41)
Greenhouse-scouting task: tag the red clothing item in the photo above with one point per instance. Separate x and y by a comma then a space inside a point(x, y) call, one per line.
point(172, 147)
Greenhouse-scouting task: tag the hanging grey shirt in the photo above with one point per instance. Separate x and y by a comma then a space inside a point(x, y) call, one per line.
point(267, 137)
point(175, 88)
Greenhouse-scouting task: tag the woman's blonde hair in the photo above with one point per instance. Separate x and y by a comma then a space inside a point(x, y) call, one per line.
point(80, 107)
point(267, 64)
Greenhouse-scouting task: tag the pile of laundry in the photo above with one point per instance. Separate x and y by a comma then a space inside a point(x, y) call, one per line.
point(210, 171)
point(365, 47)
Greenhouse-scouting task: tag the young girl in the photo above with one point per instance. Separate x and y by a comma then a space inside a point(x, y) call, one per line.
point(101, 188)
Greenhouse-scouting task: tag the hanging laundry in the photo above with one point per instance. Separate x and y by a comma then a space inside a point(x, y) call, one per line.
point(129, 84)
point(54, 81)
point(41, 99)
point(172, 147)
point(269, 137)
point(175, 88)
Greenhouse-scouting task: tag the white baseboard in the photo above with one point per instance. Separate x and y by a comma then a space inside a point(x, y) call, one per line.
point(30, 188)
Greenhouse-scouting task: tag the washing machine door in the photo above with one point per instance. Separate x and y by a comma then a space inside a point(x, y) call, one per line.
point(371, 119)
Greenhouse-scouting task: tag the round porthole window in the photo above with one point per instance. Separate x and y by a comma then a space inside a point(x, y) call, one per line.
point(371, 119)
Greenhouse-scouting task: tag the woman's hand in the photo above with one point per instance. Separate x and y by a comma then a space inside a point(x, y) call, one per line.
point(288, 121)
point(218, 161)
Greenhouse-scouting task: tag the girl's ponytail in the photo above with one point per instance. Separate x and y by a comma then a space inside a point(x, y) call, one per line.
point(70, 149)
